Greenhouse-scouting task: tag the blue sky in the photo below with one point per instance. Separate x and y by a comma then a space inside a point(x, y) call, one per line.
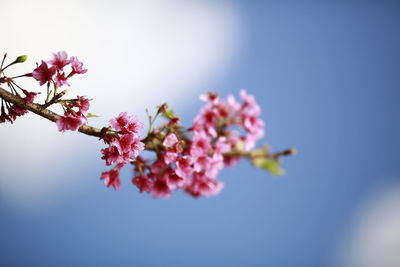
point(326, 77)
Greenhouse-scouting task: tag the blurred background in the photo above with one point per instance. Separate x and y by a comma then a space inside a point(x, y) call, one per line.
point(326, 74)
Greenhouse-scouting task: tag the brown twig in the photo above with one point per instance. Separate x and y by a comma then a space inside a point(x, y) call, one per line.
point(44, 112)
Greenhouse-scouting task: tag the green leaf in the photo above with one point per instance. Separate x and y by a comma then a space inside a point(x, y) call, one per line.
point(270, 165)
point(169, 113)
point(90, 115)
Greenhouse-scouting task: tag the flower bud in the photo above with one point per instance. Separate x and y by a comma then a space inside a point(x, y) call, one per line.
point(21, 59)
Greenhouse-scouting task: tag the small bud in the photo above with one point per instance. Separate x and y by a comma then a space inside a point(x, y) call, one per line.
point(21, 59)
point(162, 109)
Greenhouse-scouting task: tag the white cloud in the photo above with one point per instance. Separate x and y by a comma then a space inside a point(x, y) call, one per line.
point(375, 237)
point(139, 54)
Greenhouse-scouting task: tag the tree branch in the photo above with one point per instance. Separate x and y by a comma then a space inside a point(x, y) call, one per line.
point(44, 112)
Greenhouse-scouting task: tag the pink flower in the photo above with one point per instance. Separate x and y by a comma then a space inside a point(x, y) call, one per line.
point(43, 73)
point(16, 111)
point(170, 140)
point(174, 181)
point(136, 146)
point(111, 179)
point(77, 66)
point(29, 96)
point(126, 123)
point(82, 103)
point(70, 122)
point(200, 144)
point(232, 103)
point(4, 116)
point(111, 155)
point(222, 145)
point(160, 189)
point(201, 163)
point(184, 167)
point(130, 145)
point(210, 97)
point(158, 166)
point(170, 157)
point(60, 60)
point(202, 185)
point(231, 160)
point(142, 182)
point(61, 79)
point(248, 99)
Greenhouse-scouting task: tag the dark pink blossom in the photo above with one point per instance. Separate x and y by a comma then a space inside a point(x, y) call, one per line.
point(129, 145)
point(111, 179)
point(59, 61)
point(82, 103)
point(4, 116)
point(160, 189)
point(111, 155)
point(29, 96)
point(43, 73)
point(16, 111)
point(142, 182)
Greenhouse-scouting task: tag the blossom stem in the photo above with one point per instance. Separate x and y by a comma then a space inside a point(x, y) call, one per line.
point(44, 112)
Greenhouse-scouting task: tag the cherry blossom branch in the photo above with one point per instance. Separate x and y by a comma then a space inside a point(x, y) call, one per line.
point(42, 111)
point(223, 132)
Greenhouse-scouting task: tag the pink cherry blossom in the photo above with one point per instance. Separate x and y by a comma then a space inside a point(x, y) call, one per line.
point(43, 73)
point(82, 103)
point(61, 79)
point(160, 189)
point(174, 181)
point(130, 145)
point(126, 123)
point(200, 144)
point(70, 122)
point(111, 179)
point(77, 66)
point(16, 111)
point(184, 167)
point(202, 185)
point(112, 155)
point(142, 182)
point(29, 96)
point(4, 116)
point(170, 157)
point(170, 140)
point(60, 60)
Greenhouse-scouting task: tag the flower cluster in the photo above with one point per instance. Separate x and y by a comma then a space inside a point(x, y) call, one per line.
point(187, 159)
point(53, 70)
point(73, 119)
point(192, 163)
point(124, 145)
point(10, 112)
